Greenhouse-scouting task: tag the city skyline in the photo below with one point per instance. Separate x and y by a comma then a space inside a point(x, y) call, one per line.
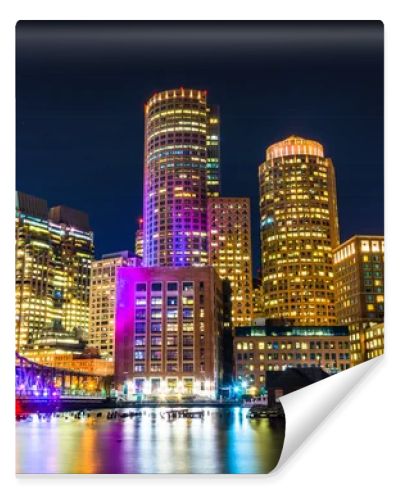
point(199, 232)
point(344, 116)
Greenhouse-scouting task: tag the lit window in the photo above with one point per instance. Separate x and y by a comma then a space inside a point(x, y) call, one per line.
point(365, 246)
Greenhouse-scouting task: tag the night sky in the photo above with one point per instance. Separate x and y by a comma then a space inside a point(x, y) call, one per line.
point(81, 89)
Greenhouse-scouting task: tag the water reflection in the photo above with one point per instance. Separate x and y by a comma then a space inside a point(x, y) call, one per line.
point(224, 441)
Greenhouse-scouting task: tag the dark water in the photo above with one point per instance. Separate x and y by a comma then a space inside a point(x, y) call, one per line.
point(224, 441)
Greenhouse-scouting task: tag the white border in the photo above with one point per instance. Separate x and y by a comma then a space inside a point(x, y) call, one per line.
point(349, 454)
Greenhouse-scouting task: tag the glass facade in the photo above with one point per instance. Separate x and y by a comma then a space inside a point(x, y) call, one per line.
point(54, 251)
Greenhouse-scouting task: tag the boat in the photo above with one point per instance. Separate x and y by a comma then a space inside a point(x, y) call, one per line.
point(174, 413)
point(258, 411)
point(194, 414)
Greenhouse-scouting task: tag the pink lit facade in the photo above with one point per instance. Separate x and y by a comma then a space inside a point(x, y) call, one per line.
point(168, 327)
point(177, 177)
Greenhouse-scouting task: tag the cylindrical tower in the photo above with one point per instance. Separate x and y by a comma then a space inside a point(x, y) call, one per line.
point(175, 179)
point(299, 228)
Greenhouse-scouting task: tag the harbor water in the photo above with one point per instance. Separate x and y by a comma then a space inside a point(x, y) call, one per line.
point(222, 441)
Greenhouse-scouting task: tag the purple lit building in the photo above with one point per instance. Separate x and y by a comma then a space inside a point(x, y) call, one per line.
point(168, 331)
point(181, 135)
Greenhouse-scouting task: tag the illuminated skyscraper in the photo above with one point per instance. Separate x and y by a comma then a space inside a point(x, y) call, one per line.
point(213, 152)
point(178, 143)
point(358, 265)
point(299, 228)
point(229, 241)
point(102, 300)
point(54, 250)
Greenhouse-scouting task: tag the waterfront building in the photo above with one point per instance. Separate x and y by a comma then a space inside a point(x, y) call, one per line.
point(374, 341)
point(259, 349)
point(299, 228)
point(178, 142)
point(359, 284)
point(169, 323)
point(54, 250)
point(229, 240)
point(139, 238)
point(102, 300)
point(283, 382)
point(78, 362)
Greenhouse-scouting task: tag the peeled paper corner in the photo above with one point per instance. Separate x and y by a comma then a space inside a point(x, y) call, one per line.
point(306, 408)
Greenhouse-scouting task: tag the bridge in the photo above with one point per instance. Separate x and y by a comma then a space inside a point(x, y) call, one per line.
point(37, 384)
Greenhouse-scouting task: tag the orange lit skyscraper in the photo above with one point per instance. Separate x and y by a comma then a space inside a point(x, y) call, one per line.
point(299, 228)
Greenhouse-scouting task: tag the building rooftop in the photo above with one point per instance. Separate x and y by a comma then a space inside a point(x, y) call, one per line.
point(291, 331)
point(359, 237)
point(295, 145)
point(31, 205)
point(70, 216)
point(127, 254)
point(38, 207)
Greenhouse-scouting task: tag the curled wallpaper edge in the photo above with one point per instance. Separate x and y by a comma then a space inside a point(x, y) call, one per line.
point(306, 408)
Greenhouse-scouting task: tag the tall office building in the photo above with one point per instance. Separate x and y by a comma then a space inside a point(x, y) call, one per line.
point(358, 265)
point(229, 240)
point(102, 300)
point(139, 238)
point(299, 228)
point(169, 324)
point(178, 143)
point(213, 152)
point(54, 250)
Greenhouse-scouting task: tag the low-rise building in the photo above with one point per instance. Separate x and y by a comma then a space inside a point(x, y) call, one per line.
point(260, 349)
point(292, 379)
point(93, 365)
